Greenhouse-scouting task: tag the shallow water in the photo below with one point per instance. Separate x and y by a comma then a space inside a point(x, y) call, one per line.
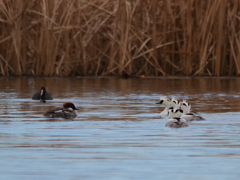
point(119, 133)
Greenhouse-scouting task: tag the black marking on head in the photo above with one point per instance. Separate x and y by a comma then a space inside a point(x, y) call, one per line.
point(176, 101)
point(171, 109)
point(160, 102)
point(180, 110)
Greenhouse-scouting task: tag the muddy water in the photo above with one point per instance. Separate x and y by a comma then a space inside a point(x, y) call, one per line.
point(119, 133)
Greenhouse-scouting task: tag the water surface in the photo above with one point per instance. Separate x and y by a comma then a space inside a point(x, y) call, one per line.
point(119, 133)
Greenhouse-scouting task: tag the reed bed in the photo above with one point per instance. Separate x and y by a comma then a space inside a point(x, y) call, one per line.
point(120, 37)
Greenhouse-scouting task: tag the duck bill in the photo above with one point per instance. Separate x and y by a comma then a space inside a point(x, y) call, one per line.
point(77, 109)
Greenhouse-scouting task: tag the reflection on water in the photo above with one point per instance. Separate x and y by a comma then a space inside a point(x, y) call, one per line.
point(119, 133)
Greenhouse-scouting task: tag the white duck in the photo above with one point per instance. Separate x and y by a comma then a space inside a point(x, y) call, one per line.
point(185, 106)
point(188, 114)
point(175, 103)
point(174, 120)
point(167, 103)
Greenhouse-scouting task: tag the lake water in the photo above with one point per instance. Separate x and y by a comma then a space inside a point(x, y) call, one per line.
point(119, 133)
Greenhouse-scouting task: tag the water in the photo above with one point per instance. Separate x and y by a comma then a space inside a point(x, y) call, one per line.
point(119, 133)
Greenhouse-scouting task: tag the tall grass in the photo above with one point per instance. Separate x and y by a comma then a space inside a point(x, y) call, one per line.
point(120, 37)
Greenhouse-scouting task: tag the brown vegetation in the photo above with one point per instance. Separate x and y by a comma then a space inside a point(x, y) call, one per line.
point(120, 37)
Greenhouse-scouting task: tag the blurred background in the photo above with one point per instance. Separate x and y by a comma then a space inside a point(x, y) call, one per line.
point(120, 37)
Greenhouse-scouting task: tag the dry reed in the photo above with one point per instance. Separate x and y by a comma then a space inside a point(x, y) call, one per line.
point(120, 37)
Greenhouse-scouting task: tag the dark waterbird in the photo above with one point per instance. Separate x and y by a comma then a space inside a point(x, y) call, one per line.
point(42, 95)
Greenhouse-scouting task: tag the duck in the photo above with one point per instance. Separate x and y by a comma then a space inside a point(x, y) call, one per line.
point(68, 111)
point(172, 112)
point(186, 107)
point(174, 121)
point(166, 102)
point(175, 103)
point(188, 114)
point(42, 95)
